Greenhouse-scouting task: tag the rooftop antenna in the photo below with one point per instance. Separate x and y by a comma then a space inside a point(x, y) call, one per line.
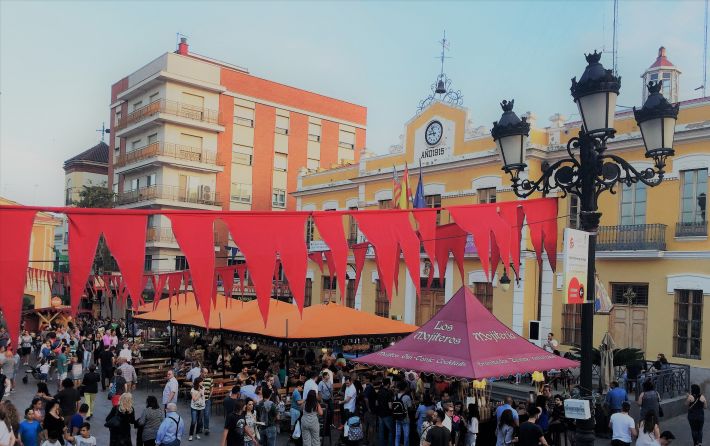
point(177, 38)
point(103, 130)
point(444, 47)
point(705, 52)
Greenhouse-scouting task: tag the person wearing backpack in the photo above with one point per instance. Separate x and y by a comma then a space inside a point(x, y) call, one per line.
point(269, 415)
point(401, 405)
point(353, 431)
point(385, 425)
point(350, 399)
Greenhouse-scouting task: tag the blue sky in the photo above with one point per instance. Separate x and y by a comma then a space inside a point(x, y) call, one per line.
point(58, 60)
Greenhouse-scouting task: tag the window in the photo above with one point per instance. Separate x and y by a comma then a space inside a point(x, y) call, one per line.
point(688, 323)
point(350, 294)
point(151, 221)
point(135, 183)
point(487, 195)
point(574, 212)
point(181, 263)
point(153, 97)
point(667, 87)
point(118, 117)
point(280, 162)
point(382, 304)
point(308, 292)
point(352, 227)
point(278, 198)
point(633, 204)
point(243, 116)
point(150, 180)
point(136, 144)
point(694, 192)
point(241, 158)
point(484, 293)
point(346, 139)
point(572, 324)
point(152, 139)
point(310, 228)
point(137, 105)
point(328, 292)
point(148, 263)
point(241, 193)
point(630, 294)
point(312, 164)
point(434, 201)
point(385, 204)
point(282, 125)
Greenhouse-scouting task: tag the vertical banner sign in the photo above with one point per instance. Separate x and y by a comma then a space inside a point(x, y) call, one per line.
point(576, 260)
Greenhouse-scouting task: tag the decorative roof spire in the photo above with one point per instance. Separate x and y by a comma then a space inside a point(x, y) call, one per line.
point(441, 88)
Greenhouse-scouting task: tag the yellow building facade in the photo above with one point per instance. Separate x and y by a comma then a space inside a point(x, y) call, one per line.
point(653, 253)
point(41, 254)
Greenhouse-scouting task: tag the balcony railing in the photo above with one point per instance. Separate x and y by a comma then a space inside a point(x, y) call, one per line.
point(165, 235)
point(171, 150)
point(691, 229)
point(631, 237)
point(170, 108)
point(198, 196)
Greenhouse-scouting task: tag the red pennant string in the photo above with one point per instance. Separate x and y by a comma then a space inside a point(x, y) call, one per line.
point(317, 258)
point(227, 275)
point(286, 237)
point(541, 217)
point(388, 232)
point(514, 216)
point(195, 235)
point(330, 228)
point(449, 239)
point(331, 269)
point(15, 235)
point(158, 285)
point(426, 226)
point(174, 280)
point(125, 237)
point(359, 252)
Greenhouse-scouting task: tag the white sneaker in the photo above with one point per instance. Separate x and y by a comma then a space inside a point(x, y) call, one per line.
point(197, 436)
point(190, 438)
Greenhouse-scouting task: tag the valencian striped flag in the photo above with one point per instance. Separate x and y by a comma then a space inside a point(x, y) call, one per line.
point(406, 194)
point(396, 188)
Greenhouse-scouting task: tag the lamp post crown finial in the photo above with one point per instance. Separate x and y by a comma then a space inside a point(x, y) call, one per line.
point(507, 105)
point(593, 58)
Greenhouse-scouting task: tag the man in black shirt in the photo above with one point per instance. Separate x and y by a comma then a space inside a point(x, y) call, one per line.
point(530, 433)
point(231, 401)
point(383, 410)
point(68, 399)
point(234, 426)
point(438, 435)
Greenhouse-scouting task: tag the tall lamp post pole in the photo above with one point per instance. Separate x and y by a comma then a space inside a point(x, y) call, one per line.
point(588, 171)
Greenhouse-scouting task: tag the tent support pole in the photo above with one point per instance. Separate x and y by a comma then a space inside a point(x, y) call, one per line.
point(288, 351)
point(221, 344)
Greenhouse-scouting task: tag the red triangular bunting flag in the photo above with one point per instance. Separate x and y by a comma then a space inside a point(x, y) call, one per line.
point(426, 227)
point(317, 258)
point(449, 239)
point(330, 228)
point(541, 215)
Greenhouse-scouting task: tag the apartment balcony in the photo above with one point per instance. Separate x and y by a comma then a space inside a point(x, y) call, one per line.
point(650, 237)
point(164, 195)
point(169, 153)
point(691, 229)
point(162, 237)
point(161, 111)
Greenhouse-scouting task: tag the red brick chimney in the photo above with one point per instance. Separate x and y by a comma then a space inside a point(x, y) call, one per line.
point(183, 46)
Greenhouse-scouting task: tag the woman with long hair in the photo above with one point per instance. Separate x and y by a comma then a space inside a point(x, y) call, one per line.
point(697, 404)
point(120, 420)
point(53, 422)
point(149, 421)
point(505, 429)
point(310, 427)
point(251, 434)
point(649, 432)
point(13, 417)
point(197, 408)
point(424, 407)
point(472, 417)
point(649, 399)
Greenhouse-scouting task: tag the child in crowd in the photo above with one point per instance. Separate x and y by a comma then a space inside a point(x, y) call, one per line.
point(85, 438)
point(44, 371)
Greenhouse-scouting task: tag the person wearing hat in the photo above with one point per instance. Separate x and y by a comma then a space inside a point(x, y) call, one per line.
point(666, 438)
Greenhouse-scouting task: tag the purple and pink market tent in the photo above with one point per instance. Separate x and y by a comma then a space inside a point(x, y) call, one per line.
point(465, 340)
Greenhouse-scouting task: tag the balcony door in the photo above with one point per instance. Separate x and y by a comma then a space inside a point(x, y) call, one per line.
point(432, 299)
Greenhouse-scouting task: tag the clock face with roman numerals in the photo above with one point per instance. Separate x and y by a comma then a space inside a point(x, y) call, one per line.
point(433, 133)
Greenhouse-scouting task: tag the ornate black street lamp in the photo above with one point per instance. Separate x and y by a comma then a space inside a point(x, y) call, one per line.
point(589, 170)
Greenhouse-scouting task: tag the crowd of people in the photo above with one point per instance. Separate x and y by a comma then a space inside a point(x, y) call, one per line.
point(279, 391)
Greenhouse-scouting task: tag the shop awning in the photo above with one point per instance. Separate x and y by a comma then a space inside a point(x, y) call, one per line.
point(465, 340)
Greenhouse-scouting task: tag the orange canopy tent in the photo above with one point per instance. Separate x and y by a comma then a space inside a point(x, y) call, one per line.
point(330, 322)
point(182, 307)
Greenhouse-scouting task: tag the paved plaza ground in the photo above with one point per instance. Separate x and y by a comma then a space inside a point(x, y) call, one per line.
point(24, 393)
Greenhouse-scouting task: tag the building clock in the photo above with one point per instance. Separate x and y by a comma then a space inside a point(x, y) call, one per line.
point(433, 133)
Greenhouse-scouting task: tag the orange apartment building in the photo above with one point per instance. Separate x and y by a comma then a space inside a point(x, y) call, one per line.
point(191, 132)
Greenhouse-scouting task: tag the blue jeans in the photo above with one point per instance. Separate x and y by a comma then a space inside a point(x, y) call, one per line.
point(86, 361)
point(196, 421)
point(206, 415)
point(268, 436)
point(382, 424)
point(401, 425)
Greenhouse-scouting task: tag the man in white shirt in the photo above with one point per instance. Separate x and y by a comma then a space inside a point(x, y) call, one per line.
point(194, 373)
point(170, 391)
point(310, 384)
point(126, 353)
point(350, 397)
point(551, 344)
point(129, 374)
point(623, 427)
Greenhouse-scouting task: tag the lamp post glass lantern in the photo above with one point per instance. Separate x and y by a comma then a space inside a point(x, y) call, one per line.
point(589, 170)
